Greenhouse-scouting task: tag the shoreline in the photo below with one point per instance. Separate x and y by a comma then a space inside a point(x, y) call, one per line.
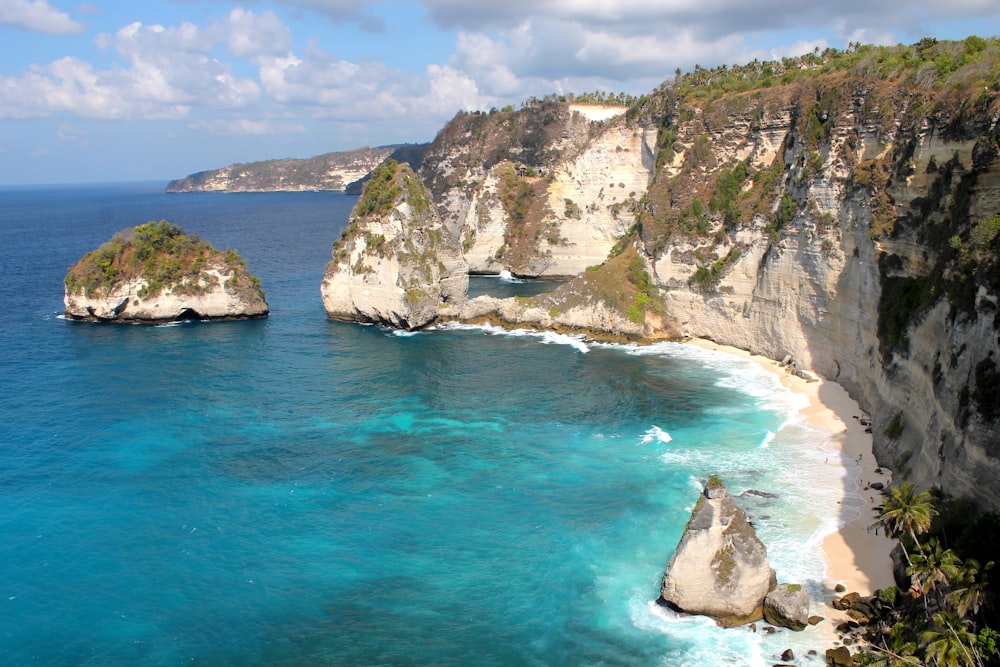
point(855, 555)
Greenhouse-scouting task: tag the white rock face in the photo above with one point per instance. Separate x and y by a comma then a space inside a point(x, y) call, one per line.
point(720, 568)
point(591, 196)
point(220, 300)
point(582, 203)
point(395, 267)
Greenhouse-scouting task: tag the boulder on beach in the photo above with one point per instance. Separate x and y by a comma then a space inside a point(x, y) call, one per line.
point(720, 568)
point(787, 606)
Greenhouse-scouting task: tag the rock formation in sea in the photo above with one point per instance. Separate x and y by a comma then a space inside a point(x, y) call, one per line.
point(720, 568)
point(156, 272)
point(395, 263)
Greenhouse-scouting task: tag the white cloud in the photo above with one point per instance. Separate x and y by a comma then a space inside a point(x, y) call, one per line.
point(246, 126)
point(70, 133)
point(37, 15)
point(165, 72)
point(250, 35)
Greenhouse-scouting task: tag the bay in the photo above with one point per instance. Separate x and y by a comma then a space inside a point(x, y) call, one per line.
point(300, 491)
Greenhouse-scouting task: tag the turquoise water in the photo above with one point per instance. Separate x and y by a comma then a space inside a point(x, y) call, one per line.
point(304, 492)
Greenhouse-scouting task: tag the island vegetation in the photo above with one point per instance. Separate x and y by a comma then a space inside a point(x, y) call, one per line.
point(159, 253)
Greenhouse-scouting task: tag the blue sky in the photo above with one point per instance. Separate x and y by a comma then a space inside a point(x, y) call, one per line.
point(156, 89)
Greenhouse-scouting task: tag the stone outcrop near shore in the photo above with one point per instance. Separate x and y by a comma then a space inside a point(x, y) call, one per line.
point(157, 273)
point(720, 568)
point(395, 263)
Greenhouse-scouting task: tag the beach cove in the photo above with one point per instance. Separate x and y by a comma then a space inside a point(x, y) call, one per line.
point(331, 493)
point(858, 556)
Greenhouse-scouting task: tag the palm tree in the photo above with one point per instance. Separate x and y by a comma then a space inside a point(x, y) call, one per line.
point(949, 643)
point(933, 567)
point(906, 512)
point(898, 651)
point(970, 584)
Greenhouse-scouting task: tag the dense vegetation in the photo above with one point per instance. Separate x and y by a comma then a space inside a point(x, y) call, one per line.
point(947, 615)
point(160, 253)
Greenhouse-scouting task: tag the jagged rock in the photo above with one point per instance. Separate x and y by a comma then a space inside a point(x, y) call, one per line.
point(839, 657)
point(720, 568)
point(155, 272)
point(788, 655)
point(860, 617)
point(787, 606)
point(816, 620)
point(394, 264)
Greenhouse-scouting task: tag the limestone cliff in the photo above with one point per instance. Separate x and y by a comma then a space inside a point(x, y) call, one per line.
point(155, 272)
point(330, 171)
point(395, 263)
point(842, 208)
point(720, 567)
point(546, 191)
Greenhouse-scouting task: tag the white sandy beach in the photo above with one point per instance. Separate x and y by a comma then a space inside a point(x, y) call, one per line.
point(856, 556)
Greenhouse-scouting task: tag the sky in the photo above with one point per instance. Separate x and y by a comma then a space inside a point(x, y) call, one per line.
point(137, 90)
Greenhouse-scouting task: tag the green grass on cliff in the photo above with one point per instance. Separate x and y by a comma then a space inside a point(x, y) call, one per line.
point(380, 192)
point(161, 253)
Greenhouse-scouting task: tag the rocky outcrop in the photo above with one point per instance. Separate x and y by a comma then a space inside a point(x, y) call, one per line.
point(720, 568)
point(155, 273)
point(787, 606)
point(330, 171)
point(395, 263)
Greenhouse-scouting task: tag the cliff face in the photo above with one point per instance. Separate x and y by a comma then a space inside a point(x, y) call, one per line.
point(395, 263)
point(856, 269)
point(849, 219)
point(330, 171)
point(155, 272)
point(546, 191)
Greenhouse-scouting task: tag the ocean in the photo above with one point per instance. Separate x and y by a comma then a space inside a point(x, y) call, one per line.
point(297, 491)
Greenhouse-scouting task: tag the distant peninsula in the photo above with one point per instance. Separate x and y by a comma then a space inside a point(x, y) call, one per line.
point(336, 171)
point(157, 273)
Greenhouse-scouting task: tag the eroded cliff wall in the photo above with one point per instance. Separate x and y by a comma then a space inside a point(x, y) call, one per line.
point(395, 263)
point(848, 218)
point(542, 192)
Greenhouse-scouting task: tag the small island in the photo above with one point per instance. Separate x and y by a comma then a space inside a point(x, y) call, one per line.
point(158, 273)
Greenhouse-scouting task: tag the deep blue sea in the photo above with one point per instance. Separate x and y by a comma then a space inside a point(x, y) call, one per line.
point(296, 491)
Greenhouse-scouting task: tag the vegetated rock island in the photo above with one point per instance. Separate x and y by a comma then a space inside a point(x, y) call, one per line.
point(155, 272)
